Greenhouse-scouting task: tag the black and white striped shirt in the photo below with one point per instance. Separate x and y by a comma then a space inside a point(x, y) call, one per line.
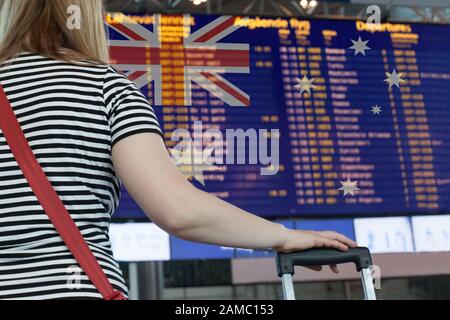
point(71, 115)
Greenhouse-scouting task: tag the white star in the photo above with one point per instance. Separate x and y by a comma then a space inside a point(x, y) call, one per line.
point(360, 46)
point(305, 85)
point(394, 79)
point(376, 110)
point(349, 187)
point(187, 161)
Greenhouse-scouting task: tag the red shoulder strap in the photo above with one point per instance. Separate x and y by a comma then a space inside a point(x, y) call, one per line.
point(49, 200)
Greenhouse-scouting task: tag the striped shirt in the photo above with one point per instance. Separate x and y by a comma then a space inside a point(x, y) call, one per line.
point(72, 115)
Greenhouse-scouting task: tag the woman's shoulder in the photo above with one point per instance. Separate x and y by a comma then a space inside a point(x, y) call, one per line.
point(115, 78)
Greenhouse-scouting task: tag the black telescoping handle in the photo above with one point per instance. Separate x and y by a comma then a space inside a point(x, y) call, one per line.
point(319, 257)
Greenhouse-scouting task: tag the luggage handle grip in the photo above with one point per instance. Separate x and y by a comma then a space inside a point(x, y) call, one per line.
point(286, 262)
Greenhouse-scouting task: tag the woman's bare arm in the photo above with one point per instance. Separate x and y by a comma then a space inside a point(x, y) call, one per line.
point(144, 165)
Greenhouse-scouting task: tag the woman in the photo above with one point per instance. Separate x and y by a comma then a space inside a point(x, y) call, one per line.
point(88, 126)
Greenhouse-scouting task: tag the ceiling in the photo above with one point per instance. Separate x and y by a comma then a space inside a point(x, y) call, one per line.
point(437, 11)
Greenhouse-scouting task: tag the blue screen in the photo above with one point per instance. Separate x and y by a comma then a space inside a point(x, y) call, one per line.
point(343, 226)
point(399, 158)
point(187, 250)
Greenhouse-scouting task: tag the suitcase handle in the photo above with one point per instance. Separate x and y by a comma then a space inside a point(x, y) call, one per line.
point(286, 262)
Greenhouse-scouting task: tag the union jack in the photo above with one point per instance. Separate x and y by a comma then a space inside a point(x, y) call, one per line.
point(142, 57)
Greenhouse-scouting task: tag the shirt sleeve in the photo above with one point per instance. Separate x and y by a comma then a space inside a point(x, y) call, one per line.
point(128, 110)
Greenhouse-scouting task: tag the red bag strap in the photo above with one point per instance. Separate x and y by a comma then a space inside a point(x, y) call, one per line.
point(50, 202)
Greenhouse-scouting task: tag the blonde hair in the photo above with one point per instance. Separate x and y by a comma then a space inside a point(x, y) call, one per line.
point(41, 26)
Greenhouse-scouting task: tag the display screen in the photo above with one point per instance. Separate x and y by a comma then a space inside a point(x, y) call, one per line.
point(385, 235)
point(431, 233)
point(369, 136)
point(139, 242)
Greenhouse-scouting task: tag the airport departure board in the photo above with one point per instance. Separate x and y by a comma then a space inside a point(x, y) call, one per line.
point(363, 131)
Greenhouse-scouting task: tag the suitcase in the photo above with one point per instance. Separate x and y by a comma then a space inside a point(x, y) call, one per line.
point(360, 256)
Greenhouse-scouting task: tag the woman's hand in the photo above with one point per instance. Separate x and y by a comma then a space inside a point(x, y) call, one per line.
point(299, 240)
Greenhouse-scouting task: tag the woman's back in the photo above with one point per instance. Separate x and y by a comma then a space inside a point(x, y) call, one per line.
point(71, 115)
